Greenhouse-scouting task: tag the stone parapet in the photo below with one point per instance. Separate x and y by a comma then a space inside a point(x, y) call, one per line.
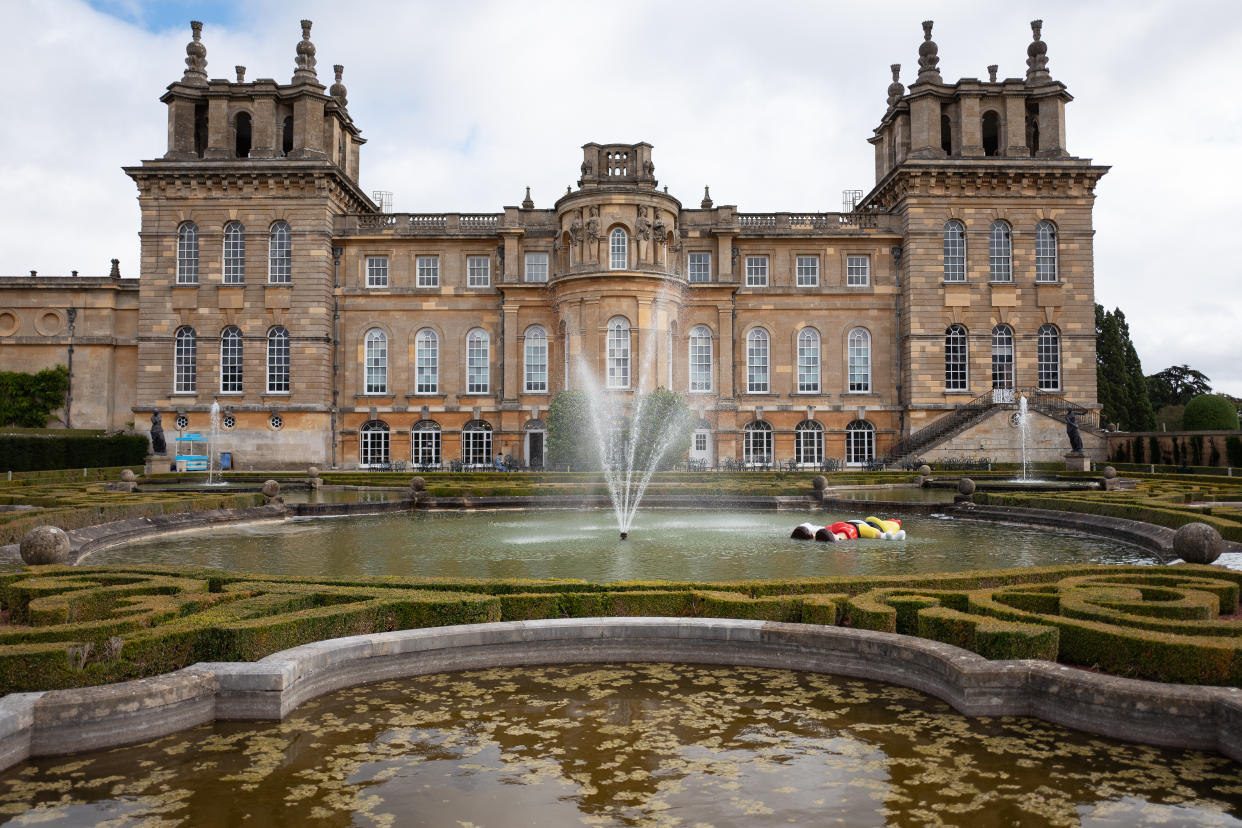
point(67, 721)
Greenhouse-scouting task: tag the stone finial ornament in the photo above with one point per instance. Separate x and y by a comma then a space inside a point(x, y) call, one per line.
point(241, 73)
point(305, 61)
point(928, 56)
point(895, 90)
point(528, 203)
point(1037, 56)
point(115, 273)
point(992, 70)
point(706, 203)
point(338, 90)
point(195, 57)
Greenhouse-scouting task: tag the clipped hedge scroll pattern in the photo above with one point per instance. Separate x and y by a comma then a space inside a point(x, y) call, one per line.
point(72, 627)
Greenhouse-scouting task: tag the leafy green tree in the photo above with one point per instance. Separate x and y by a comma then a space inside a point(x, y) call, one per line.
point(1210, 412)
point(28, 400)
point(1121, 386)
point(1176, 385)
point(571, 438)
point(663, 428)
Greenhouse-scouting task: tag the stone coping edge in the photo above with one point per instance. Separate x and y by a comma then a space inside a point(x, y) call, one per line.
point(59, 722)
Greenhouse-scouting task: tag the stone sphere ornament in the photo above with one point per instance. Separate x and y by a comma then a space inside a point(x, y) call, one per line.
point(1109, 473)
point(44, 545)
point(925, 470)
point(271, 488)
point(312, 472)
point(418, 484)
point(127, 476)
point(966, 486)
point(1198, 543)
point(820, 482)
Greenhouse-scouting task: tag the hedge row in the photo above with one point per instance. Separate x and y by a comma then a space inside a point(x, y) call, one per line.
point(19, 452)
point(1148, 510)
point(73, 627)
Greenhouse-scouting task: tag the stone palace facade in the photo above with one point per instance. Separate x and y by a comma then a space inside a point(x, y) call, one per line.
point(333, 333)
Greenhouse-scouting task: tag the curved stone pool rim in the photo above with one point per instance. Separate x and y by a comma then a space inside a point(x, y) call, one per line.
point(61, 722)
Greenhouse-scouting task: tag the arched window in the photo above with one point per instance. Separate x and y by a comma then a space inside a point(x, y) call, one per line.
point(536, 361)
point(242, 138)
point(859, 355)
point(234, 253)
point(954, 251)
point(618, 347)
point(376, 362)
point(187, 253)
point(1046, 252)
point(757, 443)
point(1002, 357)
point(955, 359)
point(1000, 252)
point(286, 135)
point(618, 250)
point(185, 361)
point(809, 443)
point(808, 361)
point(425, 437)
point(278, 360)
point(373, 439)
point(478, 362)
point(700, 358)
point(280, 254)
point(426, 362)
point(476, 443)
point(1048, 358)
point(757, 362)
point(859, 442)
point(991, 133)
point(231, 360)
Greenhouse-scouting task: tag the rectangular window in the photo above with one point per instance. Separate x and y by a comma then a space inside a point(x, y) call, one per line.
point(700, 267)
point(377, 271)
point(808, 271)
point(428, 271)
point(536, 267)
point(756, 271)
point(536, 364)
point(477, 367)
point(478, 271)
point(700, 441)
point(476, 447)
point(857, 271)
point(426, 448)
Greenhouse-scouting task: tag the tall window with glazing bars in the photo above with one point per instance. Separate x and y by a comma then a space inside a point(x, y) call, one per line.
point(278, 360)
point(280, 254)
point(954, 251)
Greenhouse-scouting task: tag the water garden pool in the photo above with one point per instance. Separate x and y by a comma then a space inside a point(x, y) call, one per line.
point(665, 544)
point(627, 744)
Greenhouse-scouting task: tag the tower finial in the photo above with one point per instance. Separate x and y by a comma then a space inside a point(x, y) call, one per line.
point(528, 203)
point(1037, 56)
point(241, 73)
point(338, 89)
point(706, 203)
point(305, 61)
point(195, 57)
point(928, 56)
point(895, 90)
point(992, 70)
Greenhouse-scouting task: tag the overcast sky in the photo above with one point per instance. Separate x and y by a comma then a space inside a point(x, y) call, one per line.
point(464, 104)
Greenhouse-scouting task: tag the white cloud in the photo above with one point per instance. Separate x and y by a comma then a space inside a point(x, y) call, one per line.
point(466, 104)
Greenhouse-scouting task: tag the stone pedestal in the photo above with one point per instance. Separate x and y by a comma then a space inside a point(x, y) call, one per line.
point(1077, 462)
point(157, 464)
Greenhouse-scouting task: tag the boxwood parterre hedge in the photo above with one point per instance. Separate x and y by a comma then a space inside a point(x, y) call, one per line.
point(79, 626)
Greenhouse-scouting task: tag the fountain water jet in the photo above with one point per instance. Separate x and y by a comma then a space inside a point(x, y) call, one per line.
point(1024, 426)
point(213, 438)
point(630, 453)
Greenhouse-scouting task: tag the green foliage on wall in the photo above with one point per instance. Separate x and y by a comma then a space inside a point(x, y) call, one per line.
point(571, 440)
point(28, 400)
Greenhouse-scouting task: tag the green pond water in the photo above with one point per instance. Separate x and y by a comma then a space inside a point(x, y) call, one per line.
point(903, 494)
point(627, 745)
point(663, 544)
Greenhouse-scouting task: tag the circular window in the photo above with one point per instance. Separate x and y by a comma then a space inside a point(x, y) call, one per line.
point(182, 422)
point(276, 421)
point(228, 421)
point(1015, 420)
